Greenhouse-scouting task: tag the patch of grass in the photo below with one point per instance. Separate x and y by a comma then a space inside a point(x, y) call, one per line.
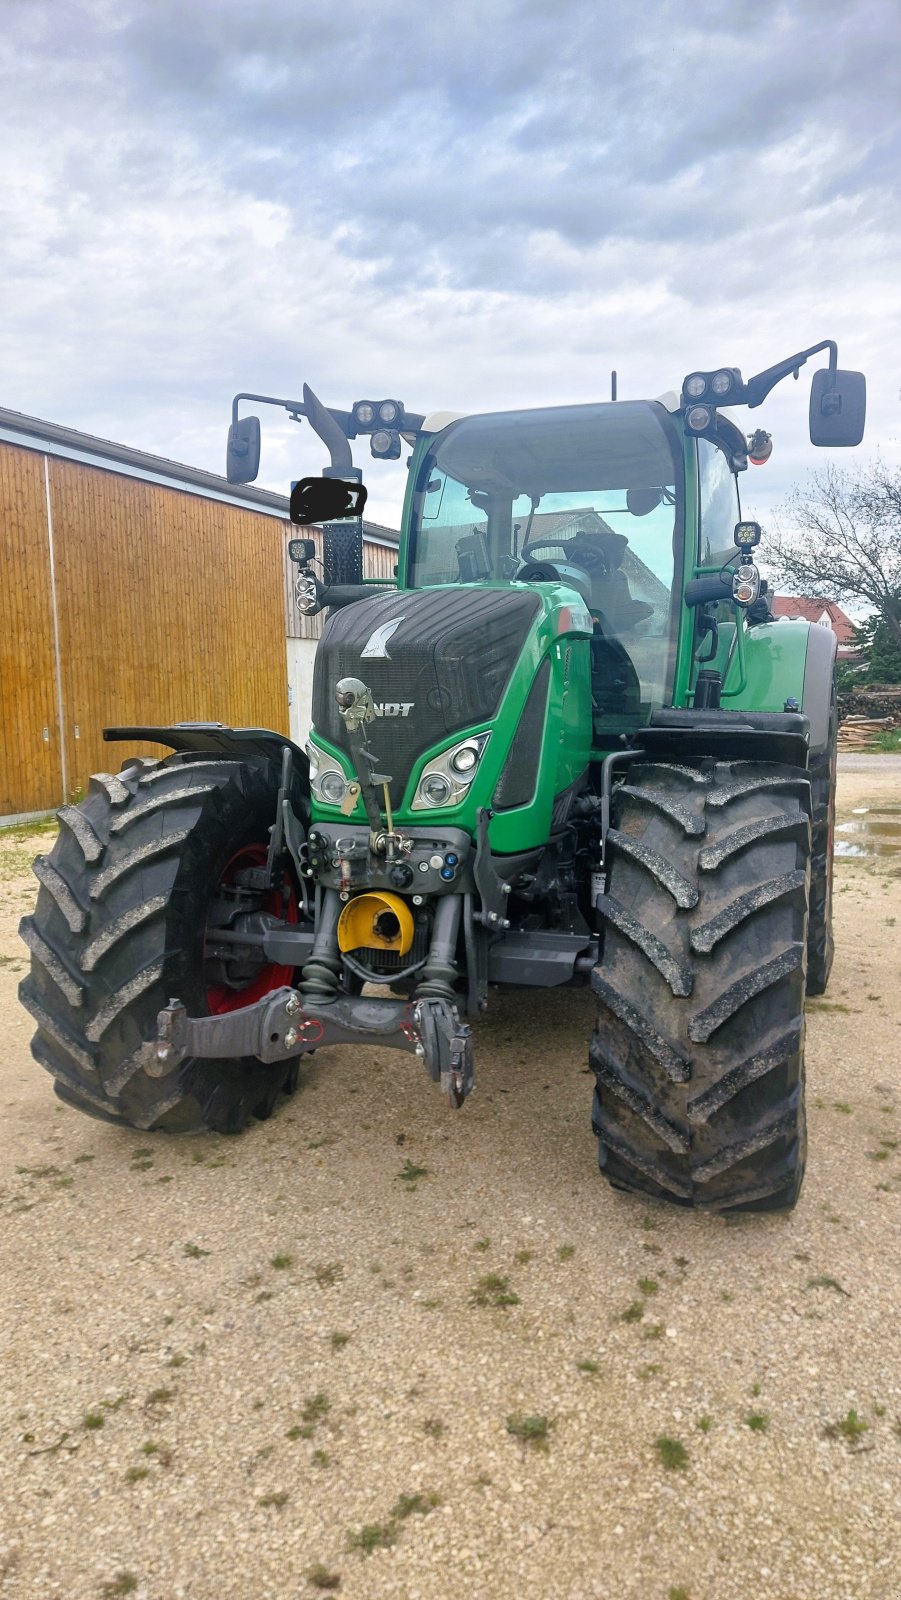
point(823, 1281)
point(328, 1274)
point(633, 1313)
point(482, 1244)
point(316, 1407)
point(195, 1252)
point(566, 1252)
point(648, 1371)
point(671, 1453)
point(757, 1421)
point(372, 1536)
point(879, 1411)
point(135, 1474)
point(878, 1155)
point(321, 1458)
point(338, 1340)
point(409, 1172)
point(843, 1106)
point(705, 1423)
point(176, 1360)
point(415, 1505)
point(320, 1577)
point(586, 1365)
point(122, 1584)
point(652, 1248)
point(726, 1296)
point(677, 1591)
point(648, 1222)
point(281, 1262)
point(276, 1500)
point(523, 1257)
point(92, 1420)
point(493, 1290)
point(755, 1389)
point(433, 1427)
point(79, 1159)
point(648, 1286)
point(160, 1397)
point(653, 1330)
point(532, 1431)
point(851, 1428)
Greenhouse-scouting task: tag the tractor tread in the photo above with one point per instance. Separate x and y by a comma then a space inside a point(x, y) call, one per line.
point(155, 802)
point(641, 1106)
point(55, 1030)
point(52, 962)
point(674, 1065)
point(117, 792)
point(679, 977)
point(704, 1024)
point(689, 821)
point(684, 893)
point(91, 846)
point(109, 937)
point(135, 858)
point(773, 827)
point(702, 1106)
point(123, 997)
point(58, 889)
point(705, 937)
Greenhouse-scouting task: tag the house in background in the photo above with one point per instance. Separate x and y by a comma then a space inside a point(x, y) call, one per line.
point(791, 608)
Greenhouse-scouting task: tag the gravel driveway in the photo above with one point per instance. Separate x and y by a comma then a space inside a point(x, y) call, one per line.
point(379, 1348)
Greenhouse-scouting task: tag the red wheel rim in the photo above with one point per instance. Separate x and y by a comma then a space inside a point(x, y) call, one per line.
point(219, 997)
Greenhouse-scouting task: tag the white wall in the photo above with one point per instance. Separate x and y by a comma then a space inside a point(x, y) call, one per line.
point(301, 654)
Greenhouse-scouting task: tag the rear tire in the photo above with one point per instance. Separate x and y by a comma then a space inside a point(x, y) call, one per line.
point(119, 928)
point(698, 1049)
point(822, 773)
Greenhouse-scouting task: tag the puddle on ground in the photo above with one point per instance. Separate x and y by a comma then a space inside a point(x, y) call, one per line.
point(871, 832)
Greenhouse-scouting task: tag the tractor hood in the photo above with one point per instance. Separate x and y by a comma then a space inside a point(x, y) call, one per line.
point(436, 661)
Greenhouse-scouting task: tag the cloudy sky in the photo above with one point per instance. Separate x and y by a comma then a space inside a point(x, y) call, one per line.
point(473, 205)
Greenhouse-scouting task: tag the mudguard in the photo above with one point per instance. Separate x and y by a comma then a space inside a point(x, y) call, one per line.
point(213, 738)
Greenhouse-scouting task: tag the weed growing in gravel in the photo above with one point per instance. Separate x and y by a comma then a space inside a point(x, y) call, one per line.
point(649, 1370)
point(372, 1536)
point(493, 1290)
point(195, 1252)
point(150, 1448)
point(328, 1274)
point(135, 1474)
point(321, 1458)
point(532, 1431)
point(122, 1584)
point(755, 1390)
point(652, 1248)
point(705, 1423)
point(418, 1505)
point(677, 1592)
point(726, 1296)
point(648, 1222)
point(338, 1340)
point(160, 1397)
point(315, 1408)
point(320, 1577)
point(843, 1106)
point(850, 1428)
point(823, 1281)
point(176, 1360)
point(482, 1244)
point(523, 1257)
point(277, 1500)
point(409, 1173)
point(281, 1262)
point(648, 1286)
point(585, 1365)
point(757, 1421)
point(92, 1420)
point(566, 1252)
point(433, 1427)
point(653, 1330)
point(672, 1453)
point(633, 1313)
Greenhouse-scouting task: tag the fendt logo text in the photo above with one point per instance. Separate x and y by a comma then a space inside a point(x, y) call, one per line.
point(393, 708)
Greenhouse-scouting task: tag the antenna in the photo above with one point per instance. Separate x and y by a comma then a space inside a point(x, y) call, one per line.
point(613, 385)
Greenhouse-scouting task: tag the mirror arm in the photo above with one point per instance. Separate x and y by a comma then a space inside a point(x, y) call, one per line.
point(758, 387)
point(332, 426)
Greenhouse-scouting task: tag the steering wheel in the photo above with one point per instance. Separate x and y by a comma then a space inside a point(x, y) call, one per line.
point(600, 566)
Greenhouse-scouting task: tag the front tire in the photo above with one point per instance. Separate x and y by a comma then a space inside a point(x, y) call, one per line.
point(822, 772)
point(698, 1049)
point(120, 926)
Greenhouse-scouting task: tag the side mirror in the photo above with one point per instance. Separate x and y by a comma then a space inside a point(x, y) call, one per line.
point(838, 408)
point(641, 502)
point(326, 500)
point(242, 460)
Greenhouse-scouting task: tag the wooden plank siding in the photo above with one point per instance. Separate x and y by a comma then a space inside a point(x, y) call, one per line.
point(170, 609)
point(30, 766)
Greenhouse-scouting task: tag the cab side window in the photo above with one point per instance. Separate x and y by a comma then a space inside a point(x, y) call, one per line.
point(719, 504)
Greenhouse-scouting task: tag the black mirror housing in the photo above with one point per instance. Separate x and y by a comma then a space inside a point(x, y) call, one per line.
point(838, 408)
point(242, 460)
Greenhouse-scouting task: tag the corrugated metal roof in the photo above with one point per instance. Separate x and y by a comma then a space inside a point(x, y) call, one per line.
point(51, 438)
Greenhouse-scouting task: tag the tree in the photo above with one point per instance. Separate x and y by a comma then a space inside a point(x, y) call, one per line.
point(883, 652)
point(844, 540)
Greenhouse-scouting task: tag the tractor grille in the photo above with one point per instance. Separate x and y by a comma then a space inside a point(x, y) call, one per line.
point(447, 665)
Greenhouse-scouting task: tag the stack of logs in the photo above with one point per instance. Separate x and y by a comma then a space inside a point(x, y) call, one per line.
point(864, 713)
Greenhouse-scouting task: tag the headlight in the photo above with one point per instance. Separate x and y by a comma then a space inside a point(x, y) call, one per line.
point(446, 779)
point(436, 789)
point(327, 778)
point(721, 383)
point(695, 385)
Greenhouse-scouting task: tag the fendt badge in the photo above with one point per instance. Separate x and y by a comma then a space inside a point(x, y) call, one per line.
point(376, 648)
point(393, 708)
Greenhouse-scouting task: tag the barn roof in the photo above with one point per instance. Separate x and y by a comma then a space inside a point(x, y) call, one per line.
point(812, 610)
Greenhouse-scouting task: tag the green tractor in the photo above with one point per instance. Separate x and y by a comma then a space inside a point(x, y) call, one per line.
point(569, 747)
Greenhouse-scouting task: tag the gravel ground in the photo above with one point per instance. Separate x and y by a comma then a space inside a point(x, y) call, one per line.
point(225, 1363)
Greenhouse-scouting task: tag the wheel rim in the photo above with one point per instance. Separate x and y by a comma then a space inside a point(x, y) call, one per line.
point(221, 997)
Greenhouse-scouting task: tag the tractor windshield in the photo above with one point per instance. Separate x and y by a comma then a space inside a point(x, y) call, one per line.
point(594, 492)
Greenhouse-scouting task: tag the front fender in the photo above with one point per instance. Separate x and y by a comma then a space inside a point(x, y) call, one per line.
point(213, 738)
point(790, 661)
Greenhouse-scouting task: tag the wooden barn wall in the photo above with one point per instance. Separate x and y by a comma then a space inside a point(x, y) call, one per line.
point(30, 764)
point(170, 609)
